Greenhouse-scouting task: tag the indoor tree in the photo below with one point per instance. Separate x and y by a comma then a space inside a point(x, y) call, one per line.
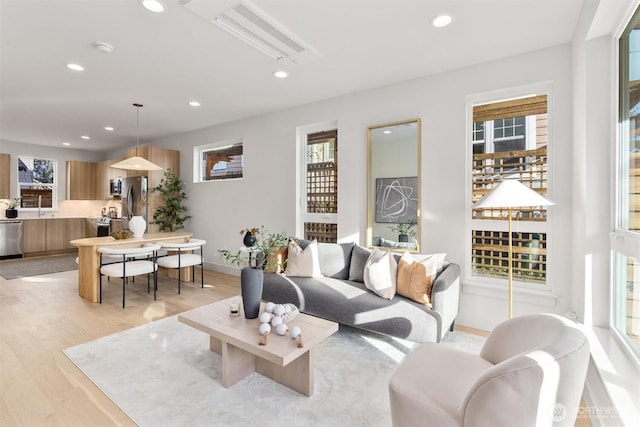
point(171, 214)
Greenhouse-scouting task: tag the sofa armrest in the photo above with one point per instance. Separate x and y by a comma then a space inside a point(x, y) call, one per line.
point(445, 295)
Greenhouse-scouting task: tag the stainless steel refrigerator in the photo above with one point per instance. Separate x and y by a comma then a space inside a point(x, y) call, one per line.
point(134, 199)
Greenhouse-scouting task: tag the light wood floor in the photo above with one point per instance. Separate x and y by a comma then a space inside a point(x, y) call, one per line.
point(41, 316)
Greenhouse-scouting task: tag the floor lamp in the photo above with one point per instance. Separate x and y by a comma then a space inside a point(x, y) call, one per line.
point(510, 194)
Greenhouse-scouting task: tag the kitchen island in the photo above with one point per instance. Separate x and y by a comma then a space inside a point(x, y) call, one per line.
point(89, 258)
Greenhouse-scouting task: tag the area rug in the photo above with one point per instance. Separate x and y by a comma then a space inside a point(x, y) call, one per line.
point(27, 267)
point(163, 374)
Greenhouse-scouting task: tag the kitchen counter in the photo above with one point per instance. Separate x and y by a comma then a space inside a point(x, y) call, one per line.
point(89, 259)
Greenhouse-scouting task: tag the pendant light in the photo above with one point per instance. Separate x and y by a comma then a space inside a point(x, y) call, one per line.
point(136, 162)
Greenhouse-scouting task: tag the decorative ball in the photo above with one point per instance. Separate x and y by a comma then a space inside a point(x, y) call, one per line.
point(295, 332)
point(287, 309)
point(265, 328)
point(278, 310)
point(265, 317)
point(277, 320)
point(268, 307)
point(281, 329)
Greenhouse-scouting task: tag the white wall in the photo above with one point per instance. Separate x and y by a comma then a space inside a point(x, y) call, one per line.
point(266, 194)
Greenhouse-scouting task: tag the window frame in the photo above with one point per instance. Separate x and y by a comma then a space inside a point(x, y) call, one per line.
point(496, 283)
point(198, 152)
point(53, 185)
point(624, 242)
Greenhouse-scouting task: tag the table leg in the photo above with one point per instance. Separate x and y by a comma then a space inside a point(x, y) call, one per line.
point(236, 364)
point(297, 375)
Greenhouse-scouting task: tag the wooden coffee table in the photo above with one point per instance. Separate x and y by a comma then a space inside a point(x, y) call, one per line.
point(236, 340)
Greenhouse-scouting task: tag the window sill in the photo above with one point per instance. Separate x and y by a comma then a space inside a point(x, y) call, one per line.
point(613, 381)
point(530, 296)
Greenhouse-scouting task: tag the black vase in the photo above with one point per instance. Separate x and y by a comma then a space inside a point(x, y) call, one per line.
point(251, 281)
point(403, 238)
point(11, 213)
point(249, 239)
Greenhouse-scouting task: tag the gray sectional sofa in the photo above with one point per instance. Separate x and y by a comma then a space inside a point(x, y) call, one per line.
point(340, 295)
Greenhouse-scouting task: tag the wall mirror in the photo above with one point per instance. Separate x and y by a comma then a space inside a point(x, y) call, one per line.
point(393, 195)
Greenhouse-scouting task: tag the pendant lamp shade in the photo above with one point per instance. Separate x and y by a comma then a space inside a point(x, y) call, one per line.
point(136, 162)
point(510, 194)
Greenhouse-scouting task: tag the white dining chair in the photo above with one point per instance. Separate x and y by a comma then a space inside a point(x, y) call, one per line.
point(129, 266)
point(184, 257)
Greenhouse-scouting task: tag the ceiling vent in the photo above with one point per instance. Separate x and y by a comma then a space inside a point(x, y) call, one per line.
point(253, 26)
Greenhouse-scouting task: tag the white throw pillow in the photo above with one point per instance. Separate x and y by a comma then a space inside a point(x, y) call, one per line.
point(303, 263)
point(380, 273)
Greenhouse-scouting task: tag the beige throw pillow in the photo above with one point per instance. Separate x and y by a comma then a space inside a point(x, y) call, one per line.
point(415, 277)
point(380, 272)
point(303, 263)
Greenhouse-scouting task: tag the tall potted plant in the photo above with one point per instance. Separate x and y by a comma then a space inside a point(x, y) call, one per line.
point(261, 256)
point(171, 214)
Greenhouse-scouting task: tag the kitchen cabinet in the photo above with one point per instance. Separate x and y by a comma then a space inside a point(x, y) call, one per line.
point(34, 235)
point(52, 234)
point(81, 180)
point(104, 173)
point(56, 234)
point(76, 229)
point(5, 176)
point(166, 159)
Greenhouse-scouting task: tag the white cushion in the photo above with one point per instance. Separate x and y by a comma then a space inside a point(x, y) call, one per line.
point(303, 263)
point(186, 260)
point(380, 272)
point(187, 246)
point(131, 268)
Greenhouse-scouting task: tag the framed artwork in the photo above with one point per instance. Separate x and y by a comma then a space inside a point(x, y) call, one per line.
point(396, 199)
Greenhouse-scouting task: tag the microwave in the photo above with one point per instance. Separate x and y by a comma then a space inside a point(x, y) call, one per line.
point(115, 187)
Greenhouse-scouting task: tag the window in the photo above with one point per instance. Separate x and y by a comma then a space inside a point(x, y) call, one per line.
point(37, 183)
point(320, 185)
point(626, 262)
point(509, 140)
point(219, 161)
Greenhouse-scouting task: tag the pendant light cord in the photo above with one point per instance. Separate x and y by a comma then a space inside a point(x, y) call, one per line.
point(137, 125)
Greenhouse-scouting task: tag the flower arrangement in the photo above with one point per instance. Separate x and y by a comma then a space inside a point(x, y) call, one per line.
point(264, 249)
point(12, 203)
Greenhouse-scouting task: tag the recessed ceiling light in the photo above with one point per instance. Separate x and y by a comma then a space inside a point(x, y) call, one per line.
point(387, 131)
point(85, 137)
point(154, 5)
point(442, 21)
point(103, 47)
point(281, 74)
point(109, 128)
point(194, 103)
point(66, 143)
point(75, 67)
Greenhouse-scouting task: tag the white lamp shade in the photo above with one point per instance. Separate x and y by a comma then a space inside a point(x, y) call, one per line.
point(511, 193)
point(136, 163)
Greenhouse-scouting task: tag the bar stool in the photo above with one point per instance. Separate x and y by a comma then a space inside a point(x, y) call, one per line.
point(184, 258)
point(128, 266)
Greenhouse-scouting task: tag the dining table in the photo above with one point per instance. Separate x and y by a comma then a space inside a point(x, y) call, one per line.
point(89, 258)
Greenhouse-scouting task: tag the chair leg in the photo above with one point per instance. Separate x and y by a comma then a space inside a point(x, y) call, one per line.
point(155, 283)
point(201, 275)
point(452, 326)
point(100, 288)
point(124, 280)
point(179, 271)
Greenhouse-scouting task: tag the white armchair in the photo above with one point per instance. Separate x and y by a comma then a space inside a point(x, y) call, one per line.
point(530, 372)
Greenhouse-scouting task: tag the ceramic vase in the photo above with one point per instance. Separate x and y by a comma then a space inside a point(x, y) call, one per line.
point(137, 225)
point(403, 238)
point(11, 213)
point(249, 239)
point(251, 281)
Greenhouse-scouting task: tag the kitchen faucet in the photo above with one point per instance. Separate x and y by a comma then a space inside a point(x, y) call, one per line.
point(40, 205)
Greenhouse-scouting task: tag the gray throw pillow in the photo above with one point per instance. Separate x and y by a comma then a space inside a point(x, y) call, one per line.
point(335, 259)
point(359, 257)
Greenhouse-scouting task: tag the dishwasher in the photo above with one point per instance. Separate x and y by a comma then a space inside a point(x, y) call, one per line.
point(10, 239)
